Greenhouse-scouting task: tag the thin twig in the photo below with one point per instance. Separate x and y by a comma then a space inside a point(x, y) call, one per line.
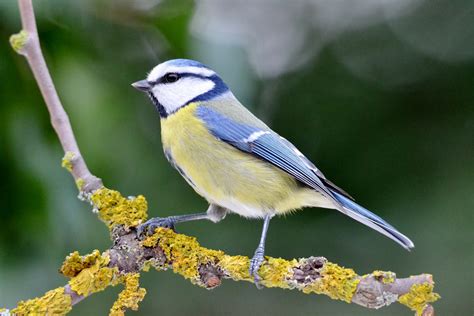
point(29, 46)
point(31, 49)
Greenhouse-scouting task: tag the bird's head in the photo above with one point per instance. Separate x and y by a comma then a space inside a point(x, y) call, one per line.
point(175, 83)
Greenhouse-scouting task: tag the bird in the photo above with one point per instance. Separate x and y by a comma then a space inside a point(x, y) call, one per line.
point(234, 160)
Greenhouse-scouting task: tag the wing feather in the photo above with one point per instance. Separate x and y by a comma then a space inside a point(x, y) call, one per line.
point(266, 145)
point(269, 146)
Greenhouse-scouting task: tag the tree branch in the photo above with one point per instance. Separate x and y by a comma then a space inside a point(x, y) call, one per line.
point(27, 44)
point(129, 255)
point(165, 249)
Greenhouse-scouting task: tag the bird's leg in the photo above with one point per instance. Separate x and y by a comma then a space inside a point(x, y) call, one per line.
point(152, 224)
point(258, 256)
point(214, 213)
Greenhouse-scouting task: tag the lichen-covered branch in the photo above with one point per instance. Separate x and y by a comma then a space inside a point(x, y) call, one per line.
point(165, 249)
point(27, 43)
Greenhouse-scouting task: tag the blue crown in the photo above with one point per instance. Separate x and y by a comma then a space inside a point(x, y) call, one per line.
point(186, 63)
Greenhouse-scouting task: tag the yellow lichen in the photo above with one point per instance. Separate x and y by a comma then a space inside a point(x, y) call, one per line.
point(74, 263)
point(418, 297)
point(186, 256)
point(236, 267)
point(386, 277)
point(131, 295)
point(54, 302)
point(114, 209)
point(152, 241)
point(183, 252)
point(94, 278)
point(67, 160)
point(91, 273)
point(335, 281)
point(275, 272)
point(80, 183)
point(18, 41)
point(153, 263)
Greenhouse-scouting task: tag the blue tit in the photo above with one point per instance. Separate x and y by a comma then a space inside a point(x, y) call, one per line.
point(234, 160)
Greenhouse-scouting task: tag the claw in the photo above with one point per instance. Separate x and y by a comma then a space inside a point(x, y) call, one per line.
point(255, 264)
point(149, 227)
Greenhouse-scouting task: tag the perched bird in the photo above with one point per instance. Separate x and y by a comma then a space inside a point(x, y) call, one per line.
point(235, 161)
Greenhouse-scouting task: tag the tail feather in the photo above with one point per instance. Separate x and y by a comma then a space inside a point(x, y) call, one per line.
point(360, 214)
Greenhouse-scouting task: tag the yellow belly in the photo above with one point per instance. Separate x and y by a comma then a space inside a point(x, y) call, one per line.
point(227, 176)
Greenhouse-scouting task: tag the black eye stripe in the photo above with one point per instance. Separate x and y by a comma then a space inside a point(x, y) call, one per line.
point(161, 80)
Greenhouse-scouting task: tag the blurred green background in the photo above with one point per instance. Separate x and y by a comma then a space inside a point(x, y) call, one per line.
point(379, 94)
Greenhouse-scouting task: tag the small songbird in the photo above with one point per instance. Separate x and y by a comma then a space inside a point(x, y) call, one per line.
point(235, 161)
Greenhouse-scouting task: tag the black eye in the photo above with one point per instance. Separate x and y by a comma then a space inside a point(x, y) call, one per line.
point(170, 78)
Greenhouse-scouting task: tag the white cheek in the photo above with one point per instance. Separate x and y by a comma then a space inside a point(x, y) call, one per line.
point(172, 96)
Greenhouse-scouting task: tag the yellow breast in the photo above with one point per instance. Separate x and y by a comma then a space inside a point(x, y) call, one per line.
point(225, 175)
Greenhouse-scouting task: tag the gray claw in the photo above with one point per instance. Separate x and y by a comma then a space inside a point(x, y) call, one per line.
point(149, 227)
point(255, 264)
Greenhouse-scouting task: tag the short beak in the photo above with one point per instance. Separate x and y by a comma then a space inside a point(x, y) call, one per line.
point(141, 85)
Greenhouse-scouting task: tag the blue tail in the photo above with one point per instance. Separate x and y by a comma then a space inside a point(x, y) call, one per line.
point(360, 214)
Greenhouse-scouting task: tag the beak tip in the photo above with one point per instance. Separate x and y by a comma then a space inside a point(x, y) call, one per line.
point(141, 85)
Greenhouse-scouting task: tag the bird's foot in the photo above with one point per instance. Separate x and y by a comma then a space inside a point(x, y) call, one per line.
point(149, 227)
point(255, 264)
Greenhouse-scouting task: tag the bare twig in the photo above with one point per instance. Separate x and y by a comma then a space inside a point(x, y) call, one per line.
point(28, 44)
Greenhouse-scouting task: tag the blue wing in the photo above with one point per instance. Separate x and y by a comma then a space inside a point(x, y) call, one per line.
point(266, 145)
point(269, 146)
